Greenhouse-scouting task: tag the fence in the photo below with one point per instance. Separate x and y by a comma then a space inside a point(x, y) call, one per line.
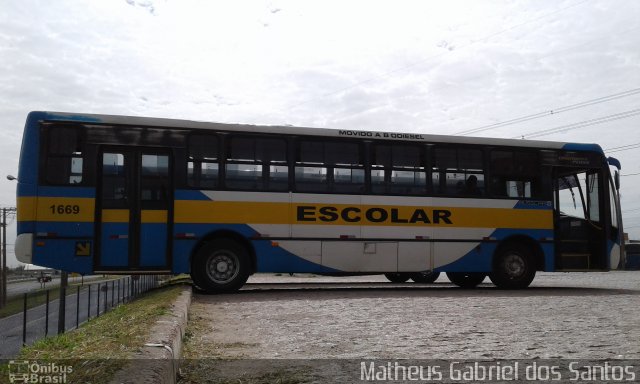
point(79, 304)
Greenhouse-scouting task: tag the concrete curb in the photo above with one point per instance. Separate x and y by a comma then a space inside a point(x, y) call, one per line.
point(157, 361)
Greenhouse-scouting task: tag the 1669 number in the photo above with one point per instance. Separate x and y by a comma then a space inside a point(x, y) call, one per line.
point(61, 209)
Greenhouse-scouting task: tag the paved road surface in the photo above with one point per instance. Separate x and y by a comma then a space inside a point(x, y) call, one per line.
point(17, 288)
point(571, 316)
point(90, 304)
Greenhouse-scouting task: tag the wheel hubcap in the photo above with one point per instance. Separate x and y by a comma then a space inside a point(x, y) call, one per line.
point(222, 267)
point(514, 266)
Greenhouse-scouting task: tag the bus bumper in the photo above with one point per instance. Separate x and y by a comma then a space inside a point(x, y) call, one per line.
point(24, 248)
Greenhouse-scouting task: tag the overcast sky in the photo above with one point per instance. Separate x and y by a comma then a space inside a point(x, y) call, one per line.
point(440, 67)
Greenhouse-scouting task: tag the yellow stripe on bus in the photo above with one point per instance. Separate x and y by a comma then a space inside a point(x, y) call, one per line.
point(74, 209)
point(502, 218)
point(115, 215)
point(232, 212)
point(26, 208)
point(154, 216)
point(61, 209)
point(341, 214)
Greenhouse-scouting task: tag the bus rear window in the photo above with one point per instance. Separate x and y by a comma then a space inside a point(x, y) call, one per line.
point(64, 156)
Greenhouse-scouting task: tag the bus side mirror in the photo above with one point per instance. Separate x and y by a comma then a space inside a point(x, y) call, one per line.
point(616, 180)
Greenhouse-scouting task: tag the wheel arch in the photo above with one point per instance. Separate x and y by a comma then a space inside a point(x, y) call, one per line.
point(230, 235)
point(530, 243)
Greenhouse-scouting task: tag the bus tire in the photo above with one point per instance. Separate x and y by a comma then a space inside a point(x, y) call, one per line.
point(513, 268)
point(427, 277)
point(221, 265)
point(466, 279)
point(397, 277)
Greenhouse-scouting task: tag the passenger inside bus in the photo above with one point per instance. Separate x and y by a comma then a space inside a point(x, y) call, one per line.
point(471, 186)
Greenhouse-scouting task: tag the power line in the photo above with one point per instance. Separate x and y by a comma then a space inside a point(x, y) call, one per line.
point(552, 112)
point(623, 148)
point(581, 124)
point(556, 111)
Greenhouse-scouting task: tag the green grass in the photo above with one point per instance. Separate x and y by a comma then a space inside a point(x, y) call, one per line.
point(100, 348)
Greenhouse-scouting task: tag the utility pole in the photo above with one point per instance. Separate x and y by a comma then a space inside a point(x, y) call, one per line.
point(3, 284)
point(3, 272)
point(62, 302)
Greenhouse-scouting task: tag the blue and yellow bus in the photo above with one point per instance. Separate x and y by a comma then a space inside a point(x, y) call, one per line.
point(117, 194)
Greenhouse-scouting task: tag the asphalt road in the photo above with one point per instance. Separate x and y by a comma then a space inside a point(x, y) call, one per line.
point(16, 288)
point(80, 305)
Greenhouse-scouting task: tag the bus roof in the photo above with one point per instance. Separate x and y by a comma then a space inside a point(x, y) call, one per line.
point(37, 116)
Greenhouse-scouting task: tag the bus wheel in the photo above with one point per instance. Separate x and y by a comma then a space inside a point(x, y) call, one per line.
point(466, 279)
point(397, 277)
point(220, 266)
point(513, 268)
point(425, 277)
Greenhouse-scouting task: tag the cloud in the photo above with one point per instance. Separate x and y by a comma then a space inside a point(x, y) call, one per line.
point(147, 5)
point(437, 67)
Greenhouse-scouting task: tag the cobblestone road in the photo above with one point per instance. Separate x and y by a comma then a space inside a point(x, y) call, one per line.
point(578, 315)
point(575, 316)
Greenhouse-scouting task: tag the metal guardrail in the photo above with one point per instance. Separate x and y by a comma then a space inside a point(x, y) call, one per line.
point(80, 304)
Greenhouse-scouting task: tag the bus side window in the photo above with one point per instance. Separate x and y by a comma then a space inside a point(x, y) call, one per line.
point(64, 159)
point(324, 166)
point(273, 153)
point(311, 171)
point(202, 163)
point(458, 172)
point(257, 163)
point(514, 174)
point(398, 169)
point(348, 167)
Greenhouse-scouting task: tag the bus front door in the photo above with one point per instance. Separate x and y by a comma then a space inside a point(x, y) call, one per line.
point(579, 220)
point(133, 210)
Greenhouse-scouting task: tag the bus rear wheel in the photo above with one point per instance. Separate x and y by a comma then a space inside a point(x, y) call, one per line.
point(397, 277)
point(220, 266)
point(513, 268)
point(466, 279)
point(425, 277)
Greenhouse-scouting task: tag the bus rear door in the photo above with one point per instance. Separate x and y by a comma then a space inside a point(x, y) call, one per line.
point(133, 210)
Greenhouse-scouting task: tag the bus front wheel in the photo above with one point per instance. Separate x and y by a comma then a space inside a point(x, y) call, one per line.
point(466, 279)
point(513, 268)
point(220, 266)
